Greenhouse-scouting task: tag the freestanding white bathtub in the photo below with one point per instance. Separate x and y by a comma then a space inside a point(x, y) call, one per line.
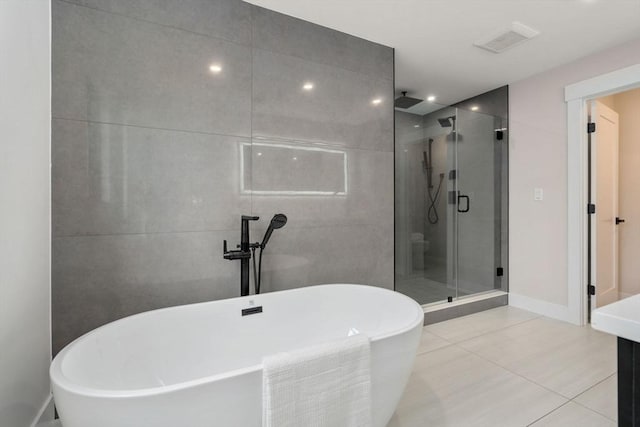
point(200, 365)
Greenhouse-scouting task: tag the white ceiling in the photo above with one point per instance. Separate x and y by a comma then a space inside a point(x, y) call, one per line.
point(434, 38)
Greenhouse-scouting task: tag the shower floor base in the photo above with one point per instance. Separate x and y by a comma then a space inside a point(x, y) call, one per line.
point(426, 291)
point(439, 312)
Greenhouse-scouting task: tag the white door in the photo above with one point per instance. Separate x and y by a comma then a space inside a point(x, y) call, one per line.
point(604, 193)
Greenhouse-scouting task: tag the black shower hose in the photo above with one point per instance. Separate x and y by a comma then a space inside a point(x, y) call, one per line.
point(257, 273)
point(432, 212)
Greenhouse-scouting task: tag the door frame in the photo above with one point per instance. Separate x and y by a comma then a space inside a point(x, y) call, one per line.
point(576, 96)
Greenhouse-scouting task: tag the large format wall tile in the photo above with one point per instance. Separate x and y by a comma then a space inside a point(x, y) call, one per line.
point(112, 179)
point(368, 176)
point(153, 162)
point(338, 110)
point(304, 256)
point(98, 279)
point(284, 34)
point(113, 69)
point(228, 19)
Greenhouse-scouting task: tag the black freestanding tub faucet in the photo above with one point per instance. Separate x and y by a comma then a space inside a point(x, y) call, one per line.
point(248, 250)
point(243, 254)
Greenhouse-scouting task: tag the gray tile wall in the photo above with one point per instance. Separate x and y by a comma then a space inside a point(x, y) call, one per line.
point(153, 155)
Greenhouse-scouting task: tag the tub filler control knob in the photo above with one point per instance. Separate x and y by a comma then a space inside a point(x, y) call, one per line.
point(239, 254)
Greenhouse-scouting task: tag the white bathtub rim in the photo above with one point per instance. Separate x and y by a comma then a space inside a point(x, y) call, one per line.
point(62, 382)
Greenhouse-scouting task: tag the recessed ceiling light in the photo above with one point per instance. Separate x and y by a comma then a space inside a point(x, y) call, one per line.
point(416, 126)
point(215, 68)
point(259, 154)
point(295, 158)
point(431, 98)
point(474, 108)
point(307, 86)
point(376, 101)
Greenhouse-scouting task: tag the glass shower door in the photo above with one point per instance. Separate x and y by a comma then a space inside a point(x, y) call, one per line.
point(476, 206)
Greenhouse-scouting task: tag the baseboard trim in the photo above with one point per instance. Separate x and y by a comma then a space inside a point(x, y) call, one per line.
point(45, 414)
point(544, 308)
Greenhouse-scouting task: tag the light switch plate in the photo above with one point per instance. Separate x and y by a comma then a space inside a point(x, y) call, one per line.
point(538, 194)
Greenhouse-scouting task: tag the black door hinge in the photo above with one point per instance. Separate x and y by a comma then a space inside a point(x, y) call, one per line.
point(591, 127)
point(591, 290)
point(499, 271)
point(591, 208)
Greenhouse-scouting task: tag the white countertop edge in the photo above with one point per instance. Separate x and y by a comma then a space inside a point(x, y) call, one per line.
point(621, 318)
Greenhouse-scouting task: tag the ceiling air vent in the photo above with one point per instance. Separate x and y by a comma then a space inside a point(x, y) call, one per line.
point(506, 39)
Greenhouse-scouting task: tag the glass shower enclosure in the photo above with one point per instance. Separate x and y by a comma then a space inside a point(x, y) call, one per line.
point(451, 203)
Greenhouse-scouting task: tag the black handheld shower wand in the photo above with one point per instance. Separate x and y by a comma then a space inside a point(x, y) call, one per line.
point(278, 221)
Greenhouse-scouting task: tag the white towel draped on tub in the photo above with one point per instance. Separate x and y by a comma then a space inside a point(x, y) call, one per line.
point(326, 385)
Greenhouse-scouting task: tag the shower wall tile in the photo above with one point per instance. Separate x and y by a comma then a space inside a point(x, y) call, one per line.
point(368, 199)
point(112, 179)
point(305, 256)
point(227, 19)
point(99, 279)
point(407, 136)
point(338, 111)
point(291, 36)
point(113, 69)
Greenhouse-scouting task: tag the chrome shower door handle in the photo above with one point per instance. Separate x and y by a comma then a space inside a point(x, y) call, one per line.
point(468, 204)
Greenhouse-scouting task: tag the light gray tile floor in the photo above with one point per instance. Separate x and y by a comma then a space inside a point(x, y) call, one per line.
point(602, 398)
point(508, 367)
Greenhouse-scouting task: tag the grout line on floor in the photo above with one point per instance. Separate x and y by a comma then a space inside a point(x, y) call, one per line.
point(596, 384)
point(594, 411)
point(493, 362)
point(549, 413)
point(568, 399)
point(589, 408)
point(435, 349)
point(522, 376)
point(564, 399)
point(537, 316)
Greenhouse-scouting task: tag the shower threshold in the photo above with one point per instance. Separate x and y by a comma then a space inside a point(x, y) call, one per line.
point(463, 306)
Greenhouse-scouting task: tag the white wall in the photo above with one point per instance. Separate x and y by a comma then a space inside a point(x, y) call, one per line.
point(25, 337)
point(627, 105)
point(538, 158)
